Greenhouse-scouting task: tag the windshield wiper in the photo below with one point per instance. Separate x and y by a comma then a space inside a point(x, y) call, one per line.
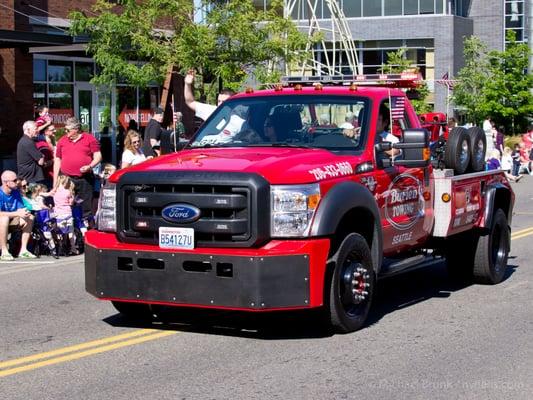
point(209, 145)
point(285, 144)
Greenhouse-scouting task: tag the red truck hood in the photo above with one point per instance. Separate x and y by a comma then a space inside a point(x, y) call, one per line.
point(276, 165)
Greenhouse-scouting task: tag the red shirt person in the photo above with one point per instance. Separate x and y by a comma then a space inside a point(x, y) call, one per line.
point(47, 147)
point(77, 153)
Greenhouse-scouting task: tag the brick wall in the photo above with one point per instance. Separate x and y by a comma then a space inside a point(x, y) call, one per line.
point(7, 82)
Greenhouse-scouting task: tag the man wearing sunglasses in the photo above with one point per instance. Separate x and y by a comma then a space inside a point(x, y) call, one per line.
point(13, 216)
point(77, 153)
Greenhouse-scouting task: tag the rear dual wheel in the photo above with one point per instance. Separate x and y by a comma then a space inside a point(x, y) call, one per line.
point(481, 256)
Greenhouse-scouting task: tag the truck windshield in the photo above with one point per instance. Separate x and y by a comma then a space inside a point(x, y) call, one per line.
point(328, 122)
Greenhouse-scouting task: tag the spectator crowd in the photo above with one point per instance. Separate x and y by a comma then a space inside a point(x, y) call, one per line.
point(514, 161)
point(56, 185)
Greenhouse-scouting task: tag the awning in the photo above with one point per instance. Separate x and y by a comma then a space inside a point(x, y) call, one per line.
point(11, 39)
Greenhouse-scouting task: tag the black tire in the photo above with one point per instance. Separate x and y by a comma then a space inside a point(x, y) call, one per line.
point(478, 148)
point(457, 153)
point(134, 311)
point(352, 285)
point(492, 251)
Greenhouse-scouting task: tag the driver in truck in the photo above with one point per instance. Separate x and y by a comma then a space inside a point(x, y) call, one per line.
point(383, 129)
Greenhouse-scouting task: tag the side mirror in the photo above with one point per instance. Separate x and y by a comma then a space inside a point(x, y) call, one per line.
point(415, 148)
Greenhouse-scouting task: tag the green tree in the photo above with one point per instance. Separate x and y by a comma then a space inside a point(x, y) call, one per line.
point(139, 40)
point(468, 92)
point(496, 84)
point(507, 95)
point(397, 62)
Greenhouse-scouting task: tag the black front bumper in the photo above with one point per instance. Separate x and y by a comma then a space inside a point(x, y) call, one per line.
point(221, 281)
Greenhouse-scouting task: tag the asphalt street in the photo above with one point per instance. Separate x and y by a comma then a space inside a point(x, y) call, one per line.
point(427, 338)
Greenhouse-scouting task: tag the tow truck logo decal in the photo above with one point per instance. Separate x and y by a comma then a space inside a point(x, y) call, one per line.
point(332, 170)
point(404, 205)
point(369, 182)
point(180, 213)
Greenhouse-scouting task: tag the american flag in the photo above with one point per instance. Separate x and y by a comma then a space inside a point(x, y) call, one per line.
point(445, 80)
point(397, 107)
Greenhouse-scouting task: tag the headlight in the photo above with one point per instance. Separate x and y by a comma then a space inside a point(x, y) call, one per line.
point(292, 209)
point(106, 216)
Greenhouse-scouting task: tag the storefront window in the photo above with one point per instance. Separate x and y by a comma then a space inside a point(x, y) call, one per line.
point(84, 71)
point(39, 70)
point(39, 94)
point(59, 71)
point(148, 98)
point(60, 96)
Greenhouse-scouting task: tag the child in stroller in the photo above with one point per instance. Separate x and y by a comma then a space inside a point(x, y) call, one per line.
point(46, 236)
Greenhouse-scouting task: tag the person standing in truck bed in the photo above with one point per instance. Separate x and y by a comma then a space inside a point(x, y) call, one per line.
point(202, 110)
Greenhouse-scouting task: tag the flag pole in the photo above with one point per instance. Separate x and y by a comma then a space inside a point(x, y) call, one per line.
point(390, 109)
point(447, 100)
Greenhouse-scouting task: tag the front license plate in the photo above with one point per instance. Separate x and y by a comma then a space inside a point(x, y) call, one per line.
point(176, 238)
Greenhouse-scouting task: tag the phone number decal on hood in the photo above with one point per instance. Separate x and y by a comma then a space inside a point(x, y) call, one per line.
point(332, 170)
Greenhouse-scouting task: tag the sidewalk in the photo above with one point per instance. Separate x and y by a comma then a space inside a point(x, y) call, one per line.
point(43, 260)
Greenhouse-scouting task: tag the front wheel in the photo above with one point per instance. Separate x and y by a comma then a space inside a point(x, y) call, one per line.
point(352, 285)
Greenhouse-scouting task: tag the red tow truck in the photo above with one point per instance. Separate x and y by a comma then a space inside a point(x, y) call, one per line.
point(287, 199)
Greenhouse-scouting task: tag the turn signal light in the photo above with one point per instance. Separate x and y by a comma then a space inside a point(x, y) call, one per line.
point(249, 90)
point(298, 87)
point(278, 87)
point(426, 153)
point(353, 87)
point(312, 201)
point(318, 86)
point(446, 197)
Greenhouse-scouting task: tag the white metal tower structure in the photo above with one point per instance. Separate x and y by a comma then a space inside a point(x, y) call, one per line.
point(336, 50)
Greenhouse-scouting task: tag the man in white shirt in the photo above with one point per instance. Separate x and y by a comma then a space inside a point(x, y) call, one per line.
point(202, 110)
point(488, 128)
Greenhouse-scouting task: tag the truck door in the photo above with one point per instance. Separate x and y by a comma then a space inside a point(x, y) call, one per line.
point(403, 195)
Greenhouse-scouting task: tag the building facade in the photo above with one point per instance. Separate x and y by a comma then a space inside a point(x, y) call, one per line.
point(42, 65)
point(432, 31)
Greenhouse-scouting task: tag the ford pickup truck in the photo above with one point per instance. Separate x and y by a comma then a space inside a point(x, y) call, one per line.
point(297, 197)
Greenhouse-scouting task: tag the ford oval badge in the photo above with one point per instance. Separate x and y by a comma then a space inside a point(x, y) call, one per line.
point(180, 213)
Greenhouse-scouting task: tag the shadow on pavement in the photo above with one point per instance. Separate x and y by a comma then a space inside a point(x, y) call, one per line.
point(392, 294)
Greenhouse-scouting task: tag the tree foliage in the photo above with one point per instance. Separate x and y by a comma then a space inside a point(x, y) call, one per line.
point(495, 84)
point(138, 40)
point(397, 62)
point(507, 94)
